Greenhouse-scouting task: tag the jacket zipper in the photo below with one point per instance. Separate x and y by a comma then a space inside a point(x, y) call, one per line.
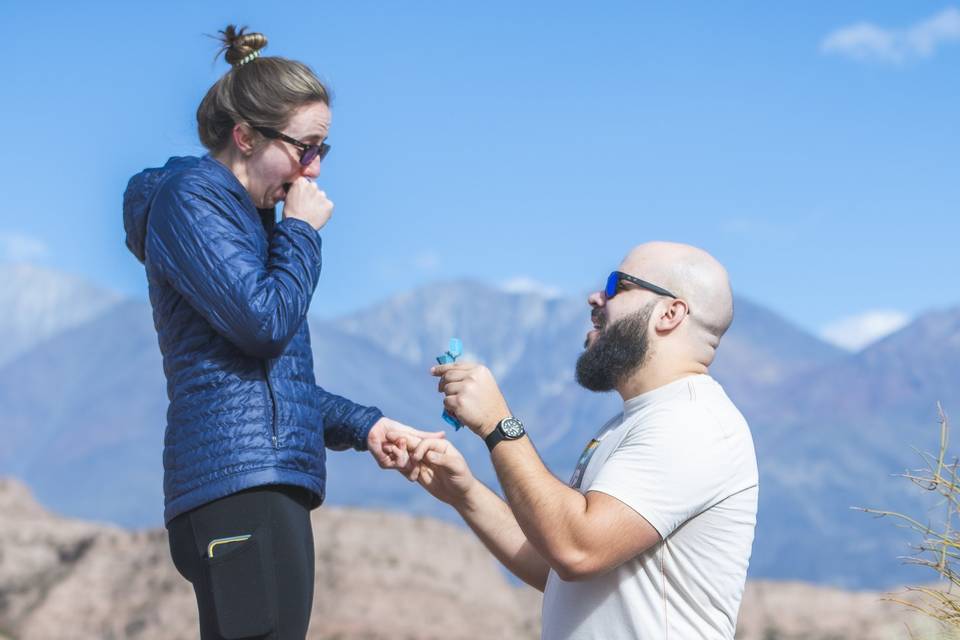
point(273, 404)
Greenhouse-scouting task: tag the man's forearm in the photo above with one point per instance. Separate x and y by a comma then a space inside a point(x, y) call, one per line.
point(549, 513)
point(492, 521)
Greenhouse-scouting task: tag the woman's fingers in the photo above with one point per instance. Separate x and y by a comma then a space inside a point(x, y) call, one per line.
point(396, 431)
point(438, 446)
point(396, 455)
point(396, 436)
point(410, 431)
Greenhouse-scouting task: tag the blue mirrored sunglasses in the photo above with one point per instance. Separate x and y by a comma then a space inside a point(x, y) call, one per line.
point(613, 284)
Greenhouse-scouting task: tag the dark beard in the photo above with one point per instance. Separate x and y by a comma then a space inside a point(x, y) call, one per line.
point(618, 351)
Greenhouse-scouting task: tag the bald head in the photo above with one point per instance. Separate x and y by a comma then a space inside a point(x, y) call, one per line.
point(693, 275)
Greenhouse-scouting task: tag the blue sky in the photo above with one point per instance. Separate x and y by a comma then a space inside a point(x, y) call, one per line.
point(812, 147)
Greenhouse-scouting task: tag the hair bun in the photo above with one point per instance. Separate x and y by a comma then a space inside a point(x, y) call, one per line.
point(240, 47)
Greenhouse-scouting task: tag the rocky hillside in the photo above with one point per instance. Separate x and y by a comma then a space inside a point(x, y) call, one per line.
point(379, 576)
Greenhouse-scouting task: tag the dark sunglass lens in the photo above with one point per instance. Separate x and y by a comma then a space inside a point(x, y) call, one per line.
point(309, 155)
point(612, 283)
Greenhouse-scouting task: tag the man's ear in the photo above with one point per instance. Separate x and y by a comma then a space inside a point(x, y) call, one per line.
point(672, 315)
point(243, 138)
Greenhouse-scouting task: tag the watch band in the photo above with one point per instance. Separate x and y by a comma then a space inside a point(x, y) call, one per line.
point(494, 438)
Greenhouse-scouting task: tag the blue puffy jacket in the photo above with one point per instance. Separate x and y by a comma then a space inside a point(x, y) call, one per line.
point(230, 288)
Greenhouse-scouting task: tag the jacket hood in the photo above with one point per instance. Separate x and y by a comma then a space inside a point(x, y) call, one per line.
point(139, 196)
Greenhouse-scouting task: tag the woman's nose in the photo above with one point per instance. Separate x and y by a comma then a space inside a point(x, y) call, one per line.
point(312, 170)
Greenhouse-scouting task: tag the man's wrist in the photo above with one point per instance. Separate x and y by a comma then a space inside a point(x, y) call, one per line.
point(486, 430)
point(469, 501)
point(510, 428)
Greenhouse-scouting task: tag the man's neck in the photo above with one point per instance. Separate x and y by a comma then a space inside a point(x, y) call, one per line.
point(650, 377)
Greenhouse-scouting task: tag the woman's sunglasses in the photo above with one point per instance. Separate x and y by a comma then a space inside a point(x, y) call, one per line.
point(308, 152)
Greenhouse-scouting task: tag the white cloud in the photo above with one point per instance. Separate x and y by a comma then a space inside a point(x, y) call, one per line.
point(867, 41)
point(856, 332)
point(524, 284)
point(17, 247)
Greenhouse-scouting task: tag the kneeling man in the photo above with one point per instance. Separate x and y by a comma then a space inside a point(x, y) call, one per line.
point(651, 537)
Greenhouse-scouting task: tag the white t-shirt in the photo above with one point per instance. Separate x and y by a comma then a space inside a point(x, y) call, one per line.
point(682, 457)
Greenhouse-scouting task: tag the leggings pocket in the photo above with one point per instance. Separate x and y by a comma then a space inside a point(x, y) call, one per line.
point(240, 586)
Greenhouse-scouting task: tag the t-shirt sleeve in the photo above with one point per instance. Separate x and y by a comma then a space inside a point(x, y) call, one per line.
point(668, 469)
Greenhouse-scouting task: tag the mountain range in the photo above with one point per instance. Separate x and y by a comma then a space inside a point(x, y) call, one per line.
point(83, 409)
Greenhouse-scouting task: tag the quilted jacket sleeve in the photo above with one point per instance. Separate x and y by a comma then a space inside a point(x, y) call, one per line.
point(345, 423)
point(198, 241)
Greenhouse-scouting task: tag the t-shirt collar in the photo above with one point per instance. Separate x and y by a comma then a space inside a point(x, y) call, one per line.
point(666, 392)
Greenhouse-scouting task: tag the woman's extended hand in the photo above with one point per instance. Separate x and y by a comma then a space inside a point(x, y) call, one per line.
point(393, 458)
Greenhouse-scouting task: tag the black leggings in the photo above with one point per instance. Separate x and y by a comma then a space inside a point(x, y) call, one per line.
point(250, 559)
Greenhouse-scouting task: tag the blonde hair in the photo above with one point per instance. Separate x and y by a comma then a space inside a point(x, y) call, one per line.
point(262, 91)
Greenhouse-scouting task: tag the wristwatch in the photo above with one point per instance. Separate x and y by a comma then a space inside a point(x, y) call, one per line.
point(507, 429)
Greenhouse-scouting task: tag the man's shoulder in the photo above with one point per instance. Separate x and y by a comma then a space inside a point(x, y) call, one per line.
point(709, 401)
point(702, 418)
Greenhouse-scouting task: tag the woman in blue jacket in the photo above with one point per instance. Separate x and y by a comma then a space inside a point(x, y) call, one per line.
point(230, 287)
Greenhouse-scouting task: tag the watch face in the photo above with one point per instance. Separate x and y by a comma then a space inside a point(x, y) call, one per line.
point(512, 428)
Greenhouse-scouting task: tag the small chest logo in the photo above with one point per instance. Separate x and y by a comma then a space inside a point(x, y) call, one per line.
point(588, 452)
